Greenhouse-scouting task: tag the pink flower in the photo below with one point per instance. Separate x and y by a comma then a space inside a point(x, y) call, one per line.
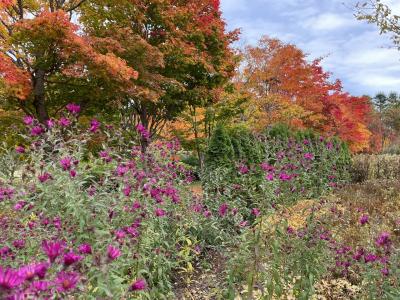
point(385, 272)
point(256, 212)
point(223, 209)
point(40, 286)
point(243, 224)
point(160, 212)
point(85, 249)
point(28, 120)
point(20, 149)
point(19, 244)
point(207, 214)
point(27, 272)
point(267, 167)
point(9, 279)
point(143, 131)
point(44, 177)
point(50, 123)
point(66, 163)
point(243, 169)
point(52, 249)
point(270, 177)
point(73, 108)
point(364, 219)
point(36, 130)
point(284, 177)
point(66, 281)
point(139, 285)
point(64, 122)
point(308, 156)
point(71, 258)
point(72, 173)
point(383, 239)
point(94, 125)
point(113, 252)
point(127, 190)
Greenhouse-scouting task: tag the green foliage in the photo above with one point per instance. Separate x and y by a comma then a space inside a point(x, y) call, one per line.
point(220, 151)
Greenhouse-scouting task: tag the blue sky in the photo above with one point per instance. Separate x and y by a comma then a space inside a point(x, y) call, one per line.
point(354, 50)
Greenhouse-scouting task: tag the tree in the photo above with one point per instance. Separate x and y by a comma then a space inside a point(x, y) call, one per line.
point(377, 12)
point(45, 60)
point(285, 87)
point(180, 48)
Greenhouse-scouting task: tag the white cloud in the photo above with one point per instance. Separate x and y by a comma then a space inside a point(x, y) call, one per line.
point(329, 21)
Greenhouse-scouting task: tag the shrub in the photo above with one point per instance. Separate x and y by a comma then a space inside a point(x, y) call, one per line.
point(375, 167)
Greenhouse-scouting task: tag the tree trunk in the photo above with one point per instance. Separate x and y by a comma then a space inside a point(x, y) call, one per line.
point(144, 142)
point(39, 101)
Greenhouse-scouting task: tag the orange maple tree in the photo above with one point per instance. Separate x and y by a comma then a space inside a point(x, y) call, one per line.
point(286, 87)
point(40, 47)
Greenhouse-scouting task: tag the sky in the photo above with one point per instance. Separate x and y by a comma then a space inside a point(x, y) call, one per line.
point(354, 51)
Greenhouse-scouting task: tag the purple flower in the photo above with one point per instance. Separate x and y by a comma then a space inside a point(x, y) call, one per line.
point(385, 272)
point(120, 234)
point(370, 257)
point(52, 249)
point(256, 212)
point(284, 177)
point(139, 285)
point(160, 212)
point(270, 177)
point(113, 252)
point(66, 163)
point(19, 244)
point(28, 120)
point(122, 170)
point(72, 173)
point(66, 281)
point(308, 156)
point(143, 131)
point(71, 258)
point(243, 169)
point(20, 149)
point(36, 130)
point(383, 239)
point(243, 224)
point(267, 167)
point(127, 190)
point(20, 205)
point(9, 279)
point(85, 249)
point(364, 219)
point(223, 209)
point(41, 269)
point(94, 125)
point(73, 108)
point(40, 286)
point(207, 214)
point(64, 122)
point(105, 156)
point(50, 123)
point(44, 177)
point(27, 272)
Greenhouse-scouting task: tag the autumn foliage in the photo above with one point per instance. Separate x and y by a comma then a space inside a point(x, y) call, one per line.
point(285, 87)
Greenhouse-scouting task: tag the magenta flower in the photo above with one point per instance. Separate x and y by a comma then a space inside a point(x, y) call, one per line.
point(72, 173)
point(270, 177)
point(120, 234)
point(370, 257)
point(364, 219)
point(66, 163)
point(223, 209)
point(243, 224)
point(105, 156)
point(243, 169)
point(85, 249)
point(71, 258)
point(41, 269)
point(66, 281)
point(127, 190)
point(143, 131)
point(284, 177)
point(136, 205)
point(385, 272)
point(19, 244)
point(122, 170)
point(9, 279)
point(94, 125)
point(113, 252)
point(73, 108)
point(383, 239)
point(50, 123)
point(64, 122)
point(207, 214)
point(139, 285)
point(52, 249)
point(308, 156)
point(256, 212)
point(40, 286)
point(20, 149)
point(267, 167)
point(36, 130)
point(27, 272)
point(160, 212)
point(28, 120)
point(44, 177)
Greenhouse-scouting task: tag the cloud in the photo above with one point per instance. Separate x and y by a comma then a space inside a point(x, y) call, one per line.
point(355, 51)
